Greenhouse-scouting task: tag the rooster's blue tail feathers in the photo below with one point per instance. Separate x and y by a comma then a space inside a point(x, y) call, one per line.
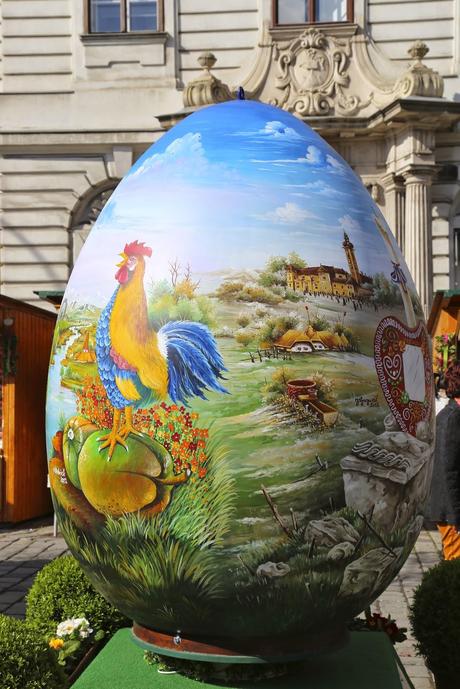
point(194, 362)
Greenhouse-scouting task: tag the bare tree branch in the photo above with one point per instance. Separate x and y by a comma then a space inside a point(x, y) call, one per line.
point(275, 512)
point(174, 268)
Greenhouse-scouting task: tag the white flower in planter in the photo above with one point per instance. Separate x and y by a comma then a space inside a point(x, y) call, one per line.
point(76, 624)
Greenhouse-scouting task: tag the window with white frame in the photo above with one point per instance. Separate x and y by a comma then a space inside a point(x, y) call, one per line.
point(311, 11)
point(124, 16)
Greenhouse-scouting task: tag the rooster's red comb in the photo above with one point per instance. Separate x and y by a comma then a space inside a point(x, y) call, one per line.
point(137, 249)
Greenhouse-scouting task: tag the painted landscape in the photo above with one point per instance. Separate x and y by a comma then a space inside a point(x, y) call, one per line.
point(253, 430)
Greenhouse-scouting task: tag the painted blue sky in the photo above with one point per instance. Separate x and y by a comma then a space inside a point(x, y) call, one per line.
point(225, 189)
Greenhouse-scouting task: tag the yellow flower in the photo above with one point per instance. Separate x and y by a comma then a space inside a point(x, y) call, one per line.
point(56, 644)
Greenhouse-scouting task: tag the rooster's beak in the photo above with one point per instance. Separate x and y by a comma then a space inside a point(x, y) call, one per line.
point(124, 261)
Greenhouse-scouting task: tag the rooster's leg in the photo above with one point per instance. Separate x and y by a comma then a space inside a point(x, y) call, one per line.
point(128, 426)
point(111, 439)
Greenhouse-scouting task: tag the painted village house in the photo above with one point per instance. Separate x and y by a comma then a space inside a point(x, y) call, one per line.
point(87, 85)
point(331, 280)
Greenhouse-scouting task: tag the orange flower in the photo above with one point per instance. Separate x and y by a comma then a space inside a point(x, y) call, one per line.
point(201, 443)
point(56, 644)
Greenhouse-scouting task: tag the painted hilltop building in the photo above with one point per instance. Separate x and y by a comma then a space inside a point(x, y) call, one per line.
point(87, 85)
point(329, 279)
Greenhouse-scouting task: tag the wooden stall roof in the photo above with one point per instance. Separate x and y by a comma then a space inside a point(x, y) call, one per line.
point(444, 312)
point(54, 297)
point(22, 306)
point(24, 493)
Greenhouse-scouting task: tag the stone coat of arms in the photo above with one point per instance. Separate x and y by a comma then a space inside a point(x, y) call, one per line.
point(312, 75)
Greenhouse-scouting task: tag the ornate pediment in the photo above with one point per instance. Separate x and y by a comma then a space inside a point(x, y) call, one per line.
point(312, 75)
point(317, 72)
point(335, 73)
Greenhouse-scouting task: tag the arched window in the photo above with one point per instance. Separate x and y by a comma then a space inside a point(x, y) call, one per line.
point(286, 12)
point(85, 215)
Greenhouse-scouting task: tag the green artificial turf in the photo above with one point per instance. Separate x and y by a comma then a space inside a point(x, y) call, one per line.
point(368, 661)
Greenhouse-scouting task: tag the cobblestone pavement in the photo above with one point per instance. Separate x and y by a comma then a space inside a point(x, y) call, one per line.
point(398, 596)
point(23, 551)
point(26, 549)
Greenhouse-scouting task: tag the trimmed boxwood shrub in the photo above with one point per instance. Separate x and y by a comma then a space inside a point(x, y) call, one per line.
point(435, 620)
point(61, 590)
point(26, 662)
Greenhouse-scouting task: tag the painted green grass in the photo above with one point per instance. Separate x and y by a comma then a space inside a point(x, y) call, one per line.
point(76, 372)
point(267, 448)
point(167, 567)
point(194, 565)
point(307, 598)
point(145, 570)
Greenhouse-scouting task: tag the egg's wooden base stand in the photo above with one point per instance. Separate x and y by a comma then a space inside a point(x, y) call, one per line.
point(240, 650)
point(369, 660)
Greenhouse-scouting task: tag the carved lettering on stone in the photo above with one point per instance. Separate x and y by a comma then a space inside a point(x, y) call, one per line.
point(312, 75)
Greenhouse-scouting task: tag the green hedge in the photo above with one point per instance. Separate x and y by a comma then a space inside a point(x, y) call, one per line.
point(60, 591)
point(435, 620)
point(26, 662)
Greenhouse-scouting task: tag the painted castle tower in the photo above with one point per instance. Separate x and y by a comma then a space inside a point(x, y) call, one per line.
point(324, 279)
point(351, 258)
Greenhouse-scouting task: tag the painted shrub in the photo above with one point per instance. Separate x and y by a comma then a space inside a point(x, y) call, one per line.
point(240, 411)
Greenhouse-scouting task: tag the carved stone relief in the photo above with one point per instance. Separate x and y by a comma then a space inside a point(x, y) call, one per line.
point(321, 73)
point(312, 75)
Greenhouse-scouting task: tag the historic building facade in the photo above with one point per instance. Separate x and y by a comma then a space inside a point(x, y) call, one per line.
point(87, 85)
point(329, 279)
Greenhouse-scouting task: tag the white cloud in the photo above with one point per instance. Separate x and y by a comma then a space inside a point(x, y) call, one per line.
point(277, 130)
point(317, 186)
point(349, 224)
point(335, 165)
point(313, 155)
point(320, 187)
point(289, 214)
point(274, 130)
point(185, 153)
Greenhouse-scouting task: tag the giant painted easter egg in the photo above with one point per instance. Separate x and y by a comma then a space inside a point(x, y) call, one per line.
point(258, 398)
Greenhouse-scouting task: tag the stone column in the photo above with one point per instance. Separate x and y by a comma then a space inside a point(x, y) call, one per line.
point(442, 237)
point(418, 241)
point(395, 202)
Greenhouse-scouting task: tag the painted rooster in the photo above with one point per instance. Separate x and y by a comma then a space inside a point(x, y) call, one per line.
point(139, 365)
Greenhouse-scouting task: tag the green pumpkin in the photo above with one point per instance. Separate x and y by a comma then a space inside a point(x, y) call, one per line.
point(127, 482)
point(76, 431)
